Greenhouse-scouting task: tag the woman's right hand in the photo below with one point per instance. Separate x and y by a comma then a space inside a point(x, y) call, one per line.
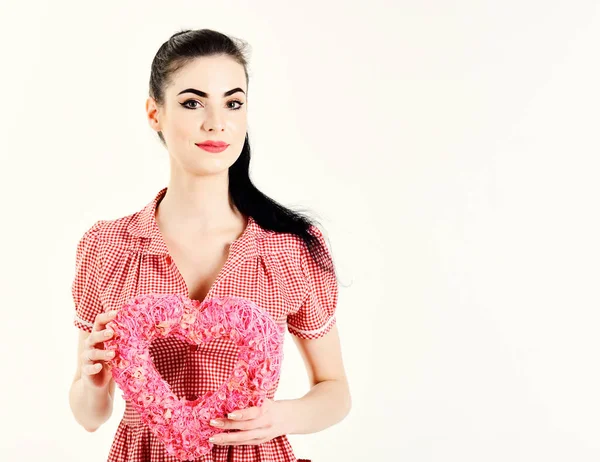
point(94, 371)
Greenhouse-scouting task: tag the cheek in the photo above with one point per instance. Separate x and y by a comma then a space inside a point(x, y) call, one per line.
point(237, 126)
point(183, 129)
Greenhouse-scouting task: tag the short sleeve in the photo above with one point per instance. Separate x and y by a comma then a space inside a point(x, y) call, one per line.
point(86, 283)
point(316, 315)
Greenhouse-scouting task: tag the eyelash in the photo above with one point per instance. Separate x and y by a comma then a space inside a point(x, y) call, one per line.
point(194, 100)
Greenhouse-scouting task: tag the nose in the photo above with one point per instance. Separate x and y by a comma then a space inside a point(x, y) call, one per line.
point(214, 120)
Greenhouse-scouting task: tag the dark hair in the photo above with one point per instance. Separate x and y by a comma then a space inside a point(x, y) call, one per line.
point(182, 48)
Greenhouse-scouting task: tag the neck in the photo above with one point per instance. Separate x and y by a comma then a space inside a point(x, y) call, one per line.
point(202, 206)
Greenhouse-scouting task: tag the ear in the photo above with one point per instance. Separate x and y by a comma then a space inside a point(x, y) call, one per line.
point(152, 112)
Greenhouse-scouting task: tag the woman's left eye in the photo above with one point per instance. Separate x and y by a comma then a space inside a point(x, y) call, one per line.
point(236, 101)
point(184, 104)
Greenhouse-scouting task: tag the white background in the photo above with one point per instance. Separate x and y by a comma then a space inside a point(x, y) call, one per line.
point(450, 150)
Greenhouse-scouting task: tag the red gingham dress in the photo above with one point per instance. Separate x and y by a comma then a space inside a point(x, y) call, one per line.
point(118, 259)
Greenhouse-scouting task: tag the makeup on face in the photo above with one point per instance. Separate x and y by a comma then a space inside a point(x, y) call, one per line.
point(203, 94)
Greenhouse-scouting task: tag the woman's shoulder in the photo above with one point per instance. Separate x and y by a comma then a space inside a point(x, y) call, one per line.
point(283, 244)
point(289, 241)
point(287, 249)
point(111, 232)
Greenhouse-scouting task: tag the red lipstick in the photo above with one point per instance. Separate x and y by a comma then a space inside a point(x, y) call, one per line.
point(213, 146)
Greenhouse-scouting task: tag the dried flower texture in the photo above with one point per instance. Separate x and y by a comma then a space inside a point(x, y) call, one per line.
point(183, 426)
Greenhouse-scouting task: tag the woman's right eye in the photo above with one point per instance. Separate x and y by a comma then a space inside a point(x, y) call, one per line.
point(189, 101)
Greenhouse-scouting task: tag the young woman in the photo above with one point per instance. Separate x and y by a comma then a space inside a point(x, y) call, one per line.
point(209, 233)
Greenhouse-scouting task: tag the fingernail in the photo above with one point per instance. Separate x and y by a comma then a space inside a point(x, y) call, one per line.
point(212, 439)
point(110, 354)
point(232, 415)
point(108, 333)
point(216, 423)
point(112, 313)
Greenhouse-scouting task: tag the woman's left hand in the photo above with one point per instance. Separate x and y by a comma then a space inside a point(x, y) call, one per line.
point(256, 425)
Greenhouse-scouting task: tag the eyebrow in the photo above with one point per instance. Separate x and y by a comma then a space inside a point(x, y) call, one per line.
point(203, 94)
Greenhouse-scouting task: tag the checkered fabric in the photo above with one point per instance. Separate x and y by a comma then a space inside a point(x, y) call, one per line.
point(118, 259)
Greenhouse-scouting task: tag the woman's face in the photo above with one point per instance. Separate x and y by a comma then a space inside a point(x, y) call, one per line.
point(217, 113)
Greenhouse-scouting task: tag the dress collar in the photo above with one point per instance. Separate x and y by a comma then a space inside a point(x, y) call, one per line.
point(143, 224)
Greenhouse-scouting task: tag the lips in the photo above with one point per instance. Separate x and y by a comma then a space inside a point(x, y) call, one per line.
point(214, 144)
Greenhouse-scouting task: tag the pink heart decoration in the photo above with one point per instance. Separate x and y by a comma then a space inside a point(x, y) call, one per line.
point(183, 426)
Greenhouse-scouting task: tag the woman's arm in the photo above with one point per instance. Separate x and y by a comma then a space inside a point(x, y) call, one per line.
point(328, 401)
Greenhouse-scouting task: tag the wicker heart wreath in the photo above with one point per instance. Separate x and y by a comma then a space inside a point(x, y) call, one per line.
point(183, 426)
